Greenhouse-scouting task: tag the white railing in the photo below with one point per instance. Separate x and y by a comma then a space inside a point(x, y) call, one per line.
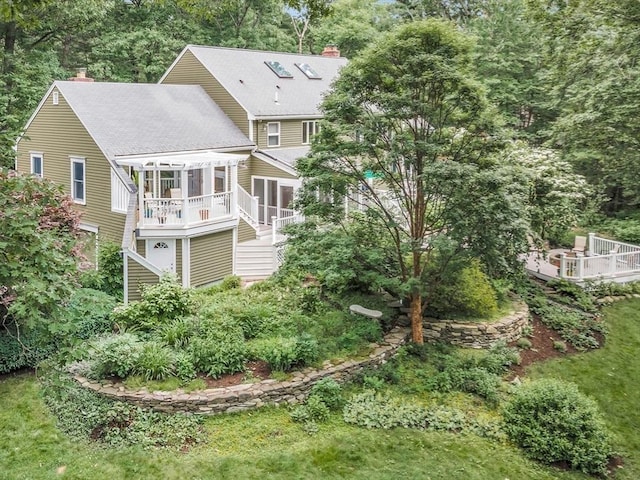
point(182, 212)
point(605, 259)
point(248, 206)
point(604, 246)
point(119, 194)
point(287, 217)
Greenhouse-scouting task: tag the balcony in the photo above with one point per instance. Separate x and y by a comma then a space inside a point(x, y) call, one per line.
point(186, 212)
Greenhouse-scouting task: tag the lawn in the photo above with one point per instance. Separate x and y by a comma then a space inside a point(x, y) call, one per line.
point(267, 444)
point(611, 375)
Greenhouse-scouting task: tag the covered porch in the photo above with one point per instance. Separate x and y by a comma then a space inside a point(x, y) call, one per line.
point(601, 259)
point(185, 189)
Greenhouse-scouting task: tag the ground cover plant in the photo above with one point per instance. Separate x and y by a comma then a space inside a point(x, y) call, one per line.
point(178, 333)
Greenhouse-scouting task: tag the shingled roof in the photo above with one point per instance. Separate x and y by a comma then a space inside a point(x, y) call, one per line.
point(259, 90)
point(131, 119)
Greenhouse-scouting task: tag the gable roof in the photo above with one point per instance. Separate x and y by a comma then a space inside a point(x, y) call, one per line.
point(131, 119)
point(248, 79)
point(283, 158)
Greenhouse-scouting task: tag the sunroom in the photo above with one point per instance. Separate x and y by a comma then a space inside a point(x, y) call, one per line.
point(185, 189)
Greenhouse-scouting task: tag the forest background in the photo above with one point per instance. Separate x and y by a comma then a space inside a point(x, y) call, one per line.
point(564, 74)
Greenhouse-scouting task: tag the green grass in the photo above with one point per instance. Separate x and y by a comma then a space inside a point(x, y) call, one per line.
point(264, 444)
point(611, 375)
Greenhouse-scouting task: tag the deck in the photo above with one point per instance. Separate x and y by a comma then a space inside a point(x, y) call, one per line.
point(603, 260)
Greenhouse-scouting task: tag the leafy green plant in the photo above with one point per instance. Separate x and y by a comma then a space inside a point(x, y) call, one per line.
point(313, 410)
point(82, 414)
point(553, 422)
point(185, 370)
point(115, 355)
point(177, 333)
point(219, 348)
point(329, 392)
point(465, 292)
point(283, 353)
point(154, 362)
point(160, 304)
point(524, 343)
point(560, 346)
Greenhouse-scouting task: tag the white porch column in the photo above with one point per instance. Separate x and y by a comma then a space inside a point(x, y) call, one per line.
point(234, 190)
point(563, 265)
point(612, 263)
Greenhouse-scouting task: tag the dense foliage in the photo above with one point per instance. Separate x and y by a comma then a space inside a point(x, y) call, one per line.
point(39, 252)
point(553, 422)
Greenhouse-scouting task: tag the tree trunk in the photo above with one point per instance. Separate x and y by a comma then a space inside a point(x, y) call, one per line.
point(416, 318)
point(10, 33)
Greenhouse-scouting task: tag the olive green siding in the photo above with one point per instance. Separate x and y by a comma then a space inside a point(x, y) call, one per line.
point(178, 261)
point(189, 71)
point(211, 257)
point(245, 232)
point(57, 133)
point(138, 275)
point(290, 133)
point(260, 168)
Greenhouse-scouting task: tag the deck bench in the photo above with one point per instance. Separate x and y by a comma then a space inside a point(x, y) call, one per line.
point(360, 310)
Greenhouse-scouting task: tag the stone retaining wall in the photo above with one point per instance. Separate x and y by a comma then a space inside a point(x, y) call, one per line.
point(475, 334)
point(249, 395)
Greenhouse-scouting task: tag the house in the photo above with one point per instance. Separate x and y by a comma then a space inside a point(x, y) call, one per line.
point(194, 175)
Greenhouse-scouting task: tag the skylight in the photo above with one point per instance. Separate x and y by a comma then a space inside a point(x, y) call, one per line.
point(308, 71)
point(278, 69)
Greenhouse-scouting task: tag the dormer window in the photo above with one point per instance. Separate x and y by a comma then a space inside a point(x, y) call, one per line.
point(308, 71)
point(278, 69)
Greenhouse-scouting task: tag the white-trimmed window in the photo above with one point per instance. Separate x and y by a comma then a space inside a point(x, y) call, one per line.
point(273, 134)
point(78, 180)
point(37, 164)
point(309, 129)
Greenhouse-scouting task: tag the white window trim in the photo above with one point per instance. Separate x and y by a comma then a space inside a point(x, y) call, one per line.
point(82, 160)
point(277, 135)
point(54, 98)
point(310, 128)
point(33, 155)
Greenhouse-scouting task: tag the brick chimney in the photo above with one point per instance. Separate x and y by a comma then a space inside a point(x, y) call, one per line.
point(81, 76)
point(331, 51)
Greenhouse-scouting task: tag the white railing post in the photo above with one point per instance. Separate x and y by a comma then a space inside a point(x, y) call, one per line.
point(563, 265)
point(591, 244)
point(579, 265)
point(274, 229)
point(612, 263)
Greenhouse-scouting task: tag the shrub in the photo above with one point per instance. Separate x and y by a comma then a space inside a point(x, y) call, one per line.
point(89, 311)
point(160, 303)
point(219, 348)
point(283, 353)
point(313, 410)
point(553, 422)
point(329, 392)
point(524, 343)
point(499, 358)
point(177, 333)
point(184, 368)
point(115, 355)
point(560, 346)
point(466, 292)
point(154, 362)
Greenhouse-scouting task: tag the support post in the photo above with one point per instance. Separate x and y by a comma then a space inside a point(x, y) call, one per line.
point(563, 265)
point(612, 263)
point(591, 244)
point(274, 230)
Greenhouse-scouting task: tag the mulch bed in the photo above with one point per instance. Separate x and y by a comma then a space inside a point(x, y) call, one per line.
point(542, 348)
point(259, 370)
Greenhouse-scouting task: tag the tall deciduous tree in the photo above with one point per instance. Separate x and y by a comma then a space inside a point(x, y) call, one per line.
point(409, 134)
point(38, 250)
point(592, 50)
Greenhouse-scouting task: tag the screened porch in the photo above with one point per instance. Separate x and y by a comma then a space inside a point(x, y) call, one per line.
point(185, 190)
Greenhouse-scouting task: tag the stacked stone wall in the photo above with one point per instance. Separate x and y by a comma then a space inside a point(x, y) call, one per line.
point(247, 396)
point(477, 334)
